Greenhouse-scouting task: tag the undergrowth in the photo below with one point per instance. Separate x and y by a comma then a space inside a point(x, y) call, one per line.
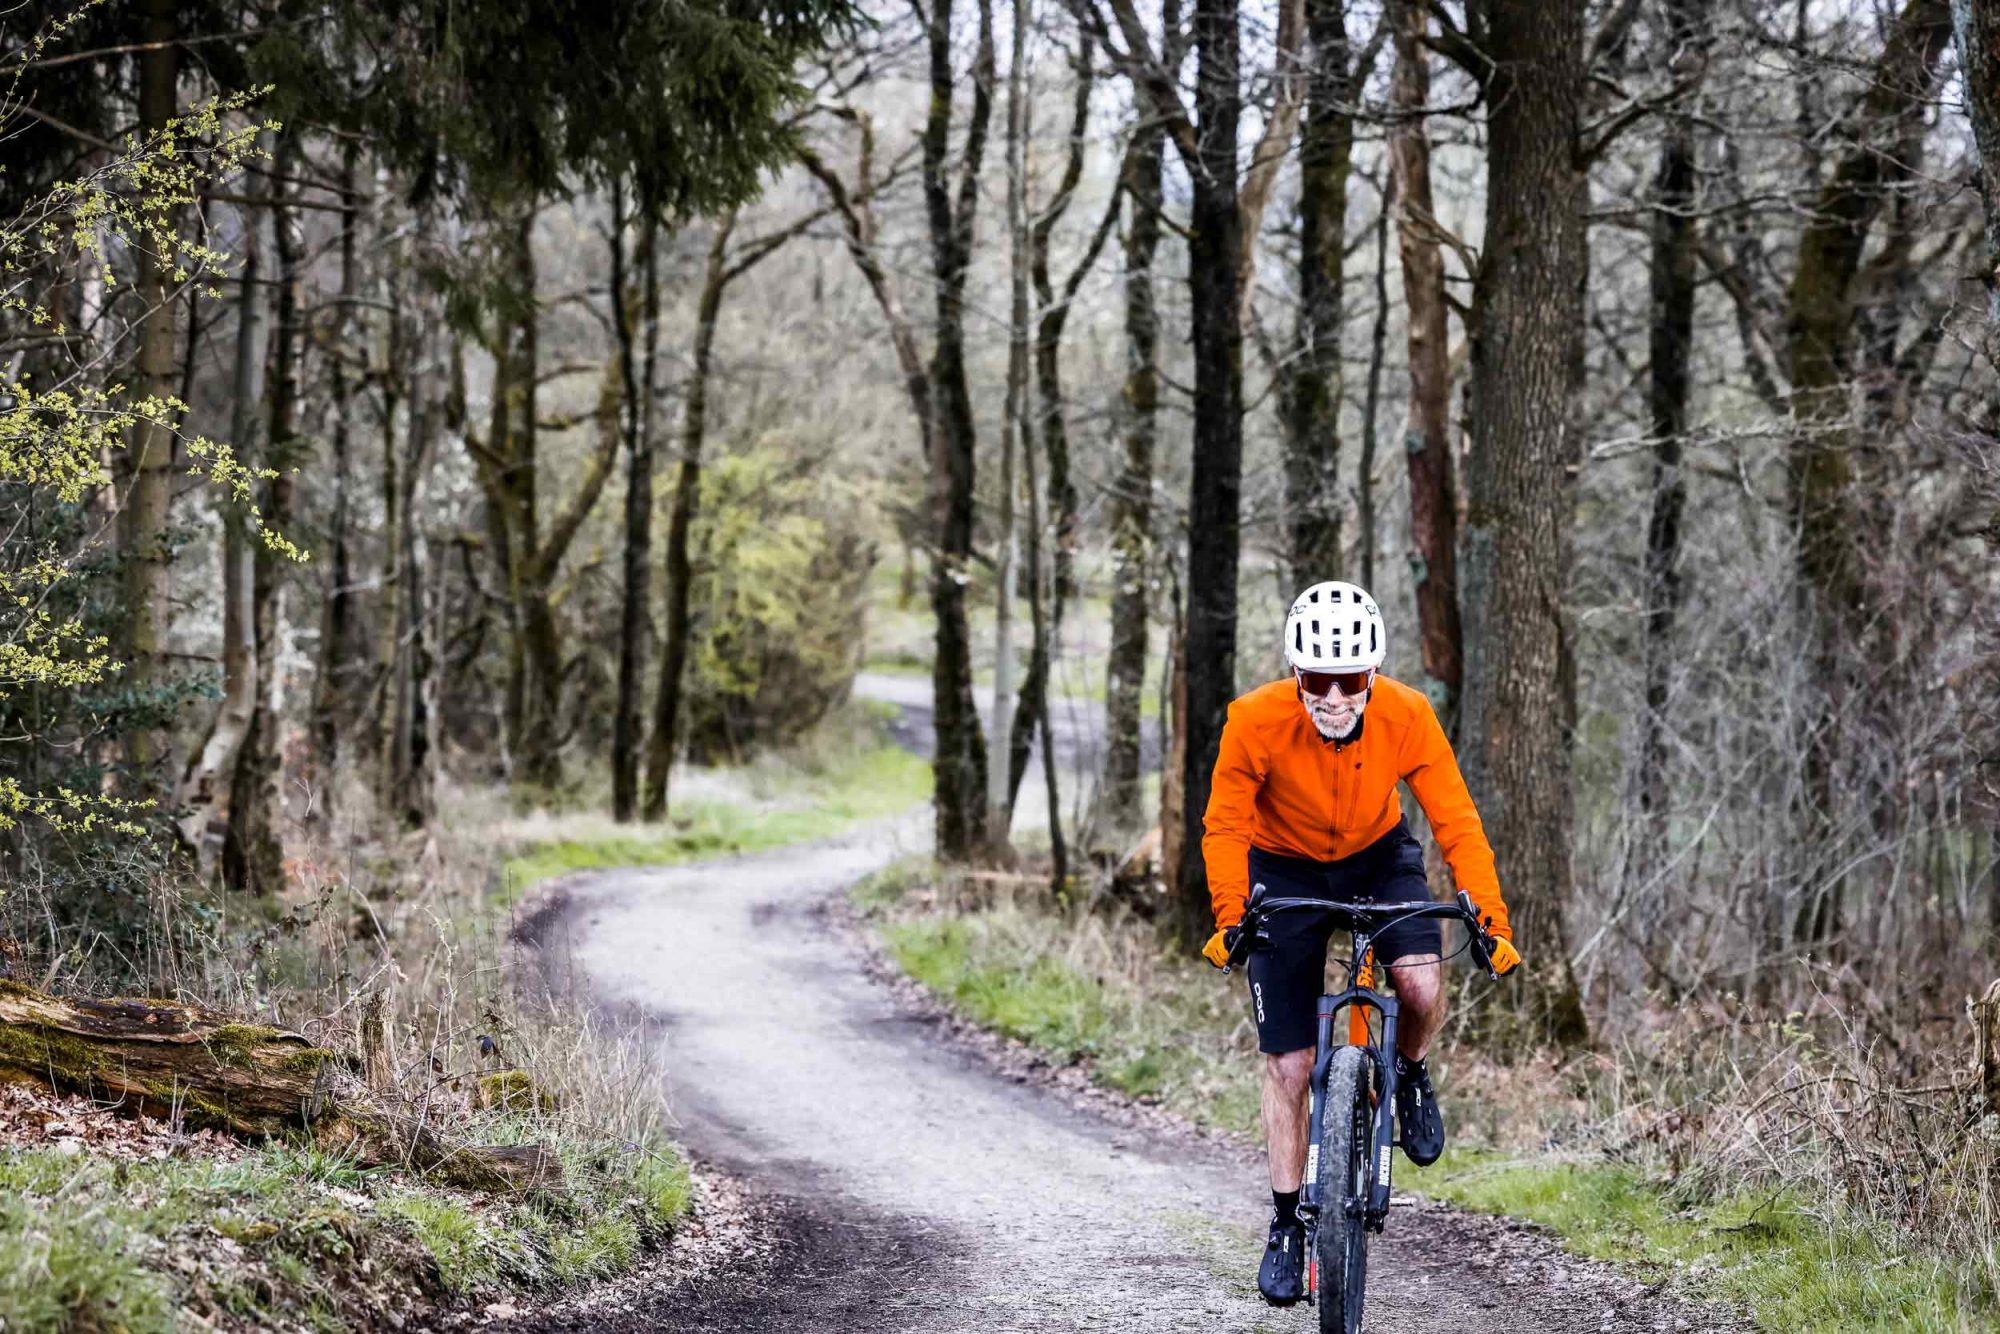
point(283, 1237)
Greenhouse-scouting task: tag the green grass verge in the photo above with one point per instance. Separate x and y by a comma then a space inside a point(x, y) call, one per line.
point(1172, 1035)
point(870, 784)
point(1152, 1024)
point(1794, 1270)
point(286, 1235)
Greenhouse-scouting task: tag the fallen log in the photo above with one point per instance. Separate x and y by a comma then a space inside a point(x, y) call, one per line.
point(166, 1059)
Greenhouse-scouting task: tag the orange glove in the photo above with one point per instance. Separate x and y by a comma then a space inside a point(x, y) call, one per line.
point(1216, 951)
point(1505, 957)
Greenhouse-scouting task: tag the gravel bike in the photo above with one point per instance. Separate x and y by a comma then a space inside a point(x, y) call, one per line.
point(1351, 1118)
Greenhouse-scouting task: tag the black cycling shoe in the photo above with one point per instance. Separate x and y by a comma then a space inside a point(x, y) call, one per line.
point(1281, 1278)
point(1417, 1112)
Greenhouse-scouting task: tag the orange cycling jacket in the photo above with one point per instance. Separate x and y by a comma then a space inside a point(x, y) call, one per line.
point(1281, 786)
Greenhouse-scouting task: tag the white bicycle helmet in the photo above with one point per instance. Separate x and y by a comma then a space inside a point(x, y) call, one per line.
point(1335, 627)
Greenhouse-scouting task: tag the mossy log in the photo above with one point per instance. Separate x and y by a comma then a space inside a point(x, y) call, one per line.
point(166, 1059)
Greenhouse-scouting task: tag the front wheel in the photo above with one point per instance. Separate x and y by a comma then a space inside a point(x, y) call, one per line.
point(1341, 1246)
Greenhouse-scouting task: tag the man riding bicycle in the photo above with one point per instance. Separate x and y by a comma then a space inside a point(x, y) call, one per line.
point(1304, 803)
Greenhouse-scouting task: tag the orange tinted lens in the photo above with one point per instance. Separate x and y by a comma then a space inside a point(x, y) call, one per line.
point(1319, 683)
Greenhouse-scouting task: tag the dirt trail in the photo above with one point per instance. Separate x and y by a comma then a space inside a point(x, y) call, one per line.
point(910, 1187)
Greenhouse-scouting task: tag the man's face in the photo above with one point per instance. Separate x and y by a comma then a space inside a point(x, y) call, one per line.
point(1334, 711)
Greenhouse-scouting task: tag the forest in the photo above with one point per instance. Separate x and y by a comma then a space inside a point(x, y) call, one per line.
point(452, 452)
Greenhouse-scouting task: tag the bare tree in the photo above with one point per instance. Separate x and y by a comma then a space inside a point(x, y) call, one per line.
point(1518, 707)
point(1427, 428)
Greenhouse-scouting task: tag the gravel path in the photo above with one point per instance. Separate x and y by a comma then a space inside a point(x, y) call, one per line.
point(906, 1184)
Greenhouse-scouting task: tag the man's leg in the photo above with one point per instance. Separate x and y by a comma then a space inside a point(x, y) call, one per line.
point(1285, 1080)
point(1281, 1276)
point(1419, 980)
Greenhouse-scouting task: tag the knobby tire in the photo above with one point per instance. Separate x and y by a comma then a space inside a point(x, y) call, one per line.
point(1341, 1246)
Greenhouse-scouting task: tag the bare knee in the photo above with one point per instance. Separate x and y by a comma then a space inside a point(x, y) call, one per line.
point(1290, 1071)
point(1419, 982)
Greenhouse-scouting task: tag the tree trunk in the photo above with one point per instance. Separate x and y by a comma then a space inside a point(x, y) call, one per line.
point(1216, 484)
point(1671, 348)
point(959, 764)
point(145, 545)
point(1820, 317)
point(332, 680)
point(1311, 410)
point(680, 525)
point(1378, 341)
point(1519, 704)
point(635, 619)
point(409, 708)
point(1132, 496)
point(1038, 613)
point(253, 852)
point(1051, 319)
point(540, 763)
point(205, 786)
point(1427, 431)
point(1014, 435)
point(1977, 26)
point(1820, 334)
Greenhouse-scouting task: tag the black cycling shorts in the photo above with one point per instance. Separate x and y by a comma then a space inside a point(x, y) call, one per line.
point(1288, 975)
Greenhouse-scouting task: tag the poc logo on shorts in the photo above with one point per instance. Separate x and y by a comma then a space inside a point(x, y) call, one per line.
point(1257, 990)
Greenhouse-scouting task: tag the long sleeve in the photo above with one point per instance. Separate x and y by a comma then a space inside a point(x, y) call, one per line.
point(1431, 770)
point(1229, 820)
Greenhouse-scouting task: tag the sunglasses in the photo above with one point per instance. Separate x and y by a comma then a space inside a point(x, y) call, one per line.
point(1350, 683)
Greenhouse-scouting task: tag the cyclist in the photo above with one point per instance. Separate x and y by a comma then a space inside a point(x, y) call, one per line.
point(1304, 803)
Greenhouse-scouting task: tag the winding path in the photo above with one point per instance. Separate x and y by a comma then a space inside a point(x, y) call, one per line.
point(916, 1189)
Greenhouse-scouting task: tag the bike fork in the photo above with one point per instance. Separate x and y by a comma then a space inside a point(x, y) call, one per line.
point(1310, 1203)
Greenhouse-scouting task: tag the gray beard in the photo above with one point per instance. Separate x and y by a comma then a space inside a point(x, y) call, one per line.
point(1323, 719)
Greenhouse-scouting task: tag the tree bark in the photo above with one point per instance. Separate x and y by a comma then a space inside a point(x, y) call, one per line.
point(1132, 495)
point(539, 766)
point(680, 526)
point(635, 619)
point(144, 542)
point(1519, 706)
point(1820, 308)
point(1216, 484)
point(1015, 437)
point(204, 787)
point(1820, 336)
point(1673, 277)
point(1977, 27)
point(1052, 317)
point(253, 851)
point(959, 764)
point(166, 1060)
point(1378, 342)
point(332, 707)
point(1427, 429)
point(1311, 409)
point(409, 712)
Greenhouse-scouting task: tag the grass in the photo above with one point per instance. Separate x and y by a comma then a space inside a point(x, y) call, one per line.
point(777, 807)
point(89, 1244)
point(1084, 987)
point(1151, 1025)
point(1771, 1253)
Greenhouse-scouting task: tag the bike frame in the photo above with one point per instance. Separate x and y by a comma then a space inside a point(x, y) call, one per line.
point(1374, 1208)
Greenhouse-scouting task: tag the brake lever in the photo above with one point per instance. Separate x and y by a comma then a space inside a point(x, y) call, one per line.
point(1476, 939)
